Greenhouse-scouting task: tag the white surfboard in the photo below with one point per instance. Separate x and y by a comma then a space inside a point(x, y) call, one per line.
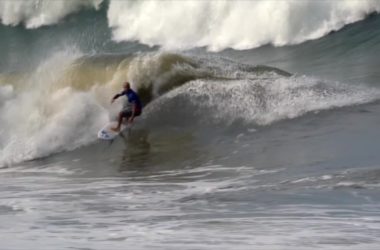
point(106, 133)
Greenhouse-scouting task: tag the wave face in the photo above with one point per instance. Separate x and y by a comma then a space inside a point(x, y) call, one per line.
point(213, 24)
point(63, 102)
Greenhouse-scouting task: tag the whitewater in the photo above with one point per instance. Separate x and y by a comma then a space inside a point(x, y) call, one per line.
point(259, 128)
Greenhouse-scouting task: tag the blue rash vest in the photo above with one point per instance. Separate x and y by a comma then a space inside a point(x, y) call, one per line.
point(132, 98)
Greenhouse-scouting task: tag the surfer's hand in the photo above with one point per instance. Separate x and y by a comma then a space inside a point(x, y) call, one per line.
point(130, 120)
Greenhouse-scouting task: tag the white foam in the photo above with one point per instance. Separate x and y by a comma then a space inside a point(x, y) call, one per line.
point(6, 92)
point(217, 25)
point(36, 13)
point(44, 117)
point(51, 169)
point(235, 24)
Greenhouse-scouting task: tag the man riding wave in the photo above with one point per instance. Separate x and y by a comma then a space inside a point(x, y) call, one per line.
point(131, 107)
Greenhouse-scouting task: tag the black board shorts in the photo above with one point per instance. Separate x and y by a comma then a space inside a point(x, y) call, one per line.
point(128, 113)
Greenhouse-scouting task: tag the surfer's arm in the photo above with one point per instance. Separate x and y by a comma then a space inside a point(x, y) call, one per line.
point(117, 96)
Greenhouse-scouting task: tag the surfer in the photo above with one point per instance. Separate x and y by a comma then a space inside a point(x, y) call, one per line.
point(131, 107)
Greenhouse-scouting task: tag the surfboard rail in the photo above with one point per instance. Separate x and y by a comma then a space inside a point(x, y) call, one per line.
point(106, 133)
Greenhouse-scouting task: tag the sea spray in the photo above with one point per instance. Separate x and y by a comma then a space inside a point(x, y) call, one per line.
point(262, 101)
point(41, 117)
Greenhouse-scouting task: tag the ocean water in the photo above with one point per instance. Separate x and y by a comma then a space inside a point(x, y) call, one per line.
point(260, 127)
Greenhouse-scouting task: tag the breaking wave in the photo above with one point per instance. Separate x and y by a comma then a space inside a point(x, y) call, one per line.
point(213, 24)
point(64, 102)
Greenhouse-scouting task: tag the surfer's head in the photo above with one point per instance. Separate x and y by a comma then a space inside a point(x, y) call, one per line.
point(127, 85)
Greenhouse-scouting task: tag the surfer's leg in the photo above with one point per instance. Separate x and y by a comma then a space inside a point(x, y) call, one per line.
point(120, 119)
point(126, 114)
